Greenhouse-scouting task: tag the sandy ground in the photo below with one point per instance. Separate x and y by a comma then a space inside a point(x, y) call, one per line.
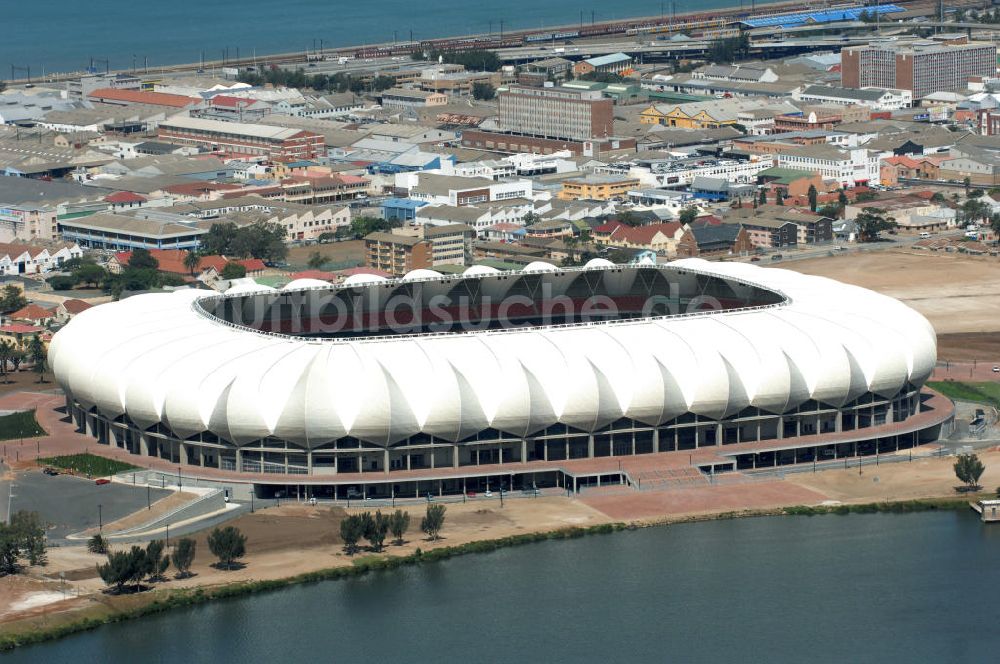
point(957, 293)
point(335, 252)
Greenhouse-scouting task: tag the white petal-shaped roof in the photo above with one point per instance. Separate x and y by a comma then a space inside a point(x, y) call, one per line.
point(296, 284)
point(161, 358)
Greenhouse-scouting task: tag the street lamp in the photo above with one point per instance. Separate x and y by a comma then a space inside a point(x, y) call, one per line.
point(100, 517)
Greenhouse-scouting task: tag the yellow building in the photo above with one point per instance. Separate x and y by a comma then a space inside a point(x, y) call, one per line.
point(597, 188)
point(696, 115)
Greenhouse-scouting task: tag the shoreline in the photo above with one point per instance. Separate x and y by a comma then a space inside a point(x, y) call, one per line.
point(166, 599)
point(292, 57)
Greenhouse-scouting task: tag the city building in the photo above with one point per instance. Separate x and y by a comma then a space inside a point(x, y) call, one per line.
point(401, 98)
point(555, 113)
point(921, 68)
point(419, 247)
point(848, 167)
point(597, 187)
point(121, 232)
point(243, 139)
point(614, 63)
point(781, 368)
point(878, 99)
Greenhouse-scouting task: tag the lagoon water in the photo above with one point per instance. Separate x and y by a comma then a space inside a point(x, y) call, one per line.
point(860, 588)
point(63, 35)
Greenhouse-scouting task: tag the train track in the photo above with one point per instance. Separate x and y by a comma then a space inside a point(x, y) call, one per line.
point(710, 23)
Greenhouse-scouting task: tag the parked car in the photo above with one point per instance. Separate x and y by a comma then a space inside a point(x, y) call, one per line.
point(102, 480)
point(50, 471)
point(996, 368)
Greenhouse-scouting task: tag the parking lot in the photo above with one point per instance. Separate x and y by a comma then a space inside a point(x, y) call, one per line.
point(72, 504)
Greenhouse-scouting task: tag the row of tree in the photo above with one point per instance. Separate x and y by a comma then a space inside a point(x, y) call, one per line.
point(21, 540)
point(375, 527)
point(474, 59)
point(340, 82)
point(128, 569)
point(263, 239)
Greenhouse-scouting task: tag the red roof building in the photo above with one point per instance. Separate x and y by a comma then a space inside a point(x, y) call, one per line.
point(126, 97)
point(33, 313)
point(172, 260)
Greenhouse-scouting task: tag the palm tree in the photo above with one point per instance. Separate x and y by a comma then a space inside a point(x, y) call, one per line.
point(6, 351)
point(191, 262)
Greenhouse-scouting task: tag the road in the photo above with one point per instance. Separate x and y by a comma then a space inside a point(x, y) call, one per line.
point(72, 504)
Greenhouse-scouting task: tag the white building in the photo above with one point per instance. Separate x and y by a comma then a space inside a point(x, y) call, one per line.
point(878, 99)
point(848, 167)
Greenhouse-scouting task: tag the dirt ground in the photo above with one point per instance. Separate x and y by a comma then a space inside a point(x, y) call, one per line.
point(958, 294)
point(335, 252)
point(22, 380)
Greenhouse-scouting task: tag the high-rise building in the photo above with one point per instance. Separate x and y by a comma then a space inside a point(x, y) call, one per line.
point(556, 113)
point(922, 68)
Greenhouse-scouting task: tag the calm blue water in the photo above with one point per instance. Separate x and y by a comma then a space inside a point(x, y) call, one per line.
point(62, 35)
point(860, 588)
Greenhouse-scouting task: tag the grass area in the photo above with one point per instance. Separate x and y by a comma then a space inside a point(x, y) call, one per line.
point(891, 507)
point(988, 393)
point(20, 425)
point(87, 464)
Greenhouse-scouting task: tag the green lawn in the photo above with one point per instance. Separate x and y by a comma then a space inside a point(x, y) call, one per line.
point(20, 425)
point(988, 393)
point(87, 464)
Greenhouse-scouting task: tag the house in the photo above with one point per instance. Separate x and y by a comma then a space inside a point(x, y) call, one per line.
point(769, 233)
point(714, 240)
point(67, 309)
point(21, 334)
point(33, 314)
point(661, 238)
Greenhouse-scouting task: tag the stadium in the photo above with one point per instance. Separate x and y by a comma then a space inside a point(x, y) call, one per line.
point(535, 378)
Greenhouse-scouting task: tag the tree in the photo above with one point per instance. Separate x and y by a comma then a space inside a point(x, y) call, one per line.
point(688, 214)
point(995, 222)
point(432, 523)
point(141, 258)
point(6, 350)
point(831, 211)
point(89, 273)
point(36, 350)
point(937, 197)
point(968, 469)
point(61, 282)
point(762, 198)
point(17, 357)
point(191, 262)
point(399, 523)
point(97, 544)
point(352, 529)
point(483, 91)
point(22, 537)
point(183, 556)
point(779, 197)
point(12, 299)
point(233, 270)
point(842, 198)
point(227, 544)
point(376, 528)
point(316, 260)
point(967, 182)
point(156, 562)
point(124, 568)
point(871, 222)
point(813, 197)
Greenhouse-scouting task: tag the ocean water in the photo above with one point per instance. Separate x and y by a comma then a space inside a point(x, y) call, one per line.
point(65, 35)
point(880, 588)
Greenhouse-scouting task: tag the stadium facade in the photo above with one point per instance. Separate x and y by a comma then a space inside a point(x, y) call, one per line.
point(430, 382)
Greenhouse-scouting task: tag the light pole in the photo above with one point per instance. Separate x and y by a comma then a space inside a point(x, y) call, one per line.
point(100, 517)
